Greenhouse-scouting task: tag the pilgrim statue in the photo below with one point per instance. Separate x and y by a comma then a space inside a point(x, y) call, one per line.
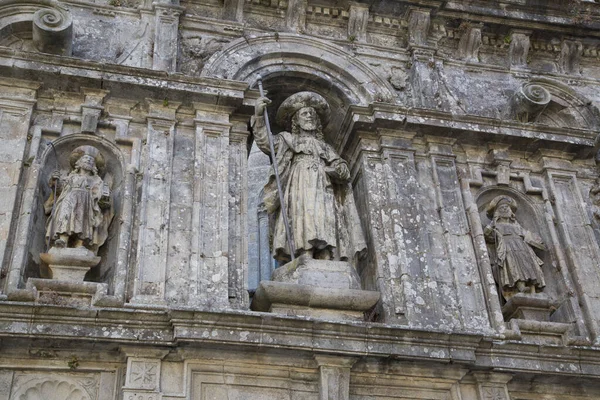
point(79, 208)
point(518, 267)
point(316, 193)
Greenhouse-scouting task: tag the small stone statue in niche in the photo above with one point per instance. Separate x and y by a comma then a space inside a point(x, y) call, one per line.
point(323, 219)
point(519, 268)
point(81, 212)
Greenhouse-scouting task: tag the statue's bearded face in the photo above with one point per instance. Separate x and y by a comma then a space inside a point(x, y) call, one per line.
point(307, 118)
point(503, 211)
point(86, 162)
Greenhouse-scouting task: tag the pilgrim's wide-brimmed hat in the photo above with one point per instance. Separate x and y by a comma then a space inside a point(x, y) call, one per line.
point(512, 203)
point(90, 151)
point(299, 100)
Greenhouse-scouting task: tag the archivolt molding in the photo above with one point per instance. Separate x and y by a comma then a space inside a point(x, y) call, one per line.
point(246, 59)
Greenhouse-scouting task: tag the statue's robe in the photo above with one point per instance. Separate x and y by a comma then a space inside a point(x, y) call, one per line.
point(321, 213)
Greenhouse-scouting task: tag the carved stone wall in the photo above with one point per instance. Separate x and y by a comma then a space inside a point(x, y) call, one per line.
point(438, 108)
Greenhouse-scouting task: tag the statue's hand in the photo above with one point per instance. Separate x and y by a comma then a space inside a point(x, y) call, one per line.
point(54, 177)
point(342, 171)
point(261, 105)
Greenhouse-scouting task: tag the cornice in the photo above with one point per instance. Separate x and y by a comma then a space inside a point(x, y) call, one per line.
point(190, 328)
point(125, 80)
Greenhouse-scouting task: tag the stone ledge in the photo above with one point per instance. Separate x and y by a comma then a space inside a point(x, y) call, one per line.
point(189, 328)
point(269, 293)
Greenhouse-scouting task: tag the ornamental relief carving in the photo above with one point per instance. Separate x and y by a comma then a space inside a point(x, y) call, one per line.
point(51, 389)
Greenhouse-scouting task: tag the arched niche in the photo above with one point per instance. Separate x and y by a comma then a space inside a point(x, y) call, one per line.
point(530, 215)
point(289, 63)
point(56, 157)
point(286, 64)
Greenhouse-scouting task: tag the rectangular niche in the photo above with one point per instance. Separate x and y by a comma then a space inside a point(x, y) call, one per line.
point(252, 382)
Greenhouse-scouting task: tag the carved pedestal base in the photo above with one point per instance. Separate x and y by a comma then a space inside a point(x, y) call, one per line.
point(534, 307)
point(315, 288)
point(528, 316)
point(65, 293)
point(69, 264)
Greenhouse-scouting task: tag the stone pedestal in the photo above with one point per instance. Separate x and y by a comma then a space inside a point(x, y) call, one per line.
point(69, 264)
point(315, 288)
point(534, 307)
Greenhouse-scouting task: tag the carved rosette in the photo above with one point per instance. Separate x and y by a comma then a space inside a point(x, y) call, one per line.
point(54, 389)
point(53, 31)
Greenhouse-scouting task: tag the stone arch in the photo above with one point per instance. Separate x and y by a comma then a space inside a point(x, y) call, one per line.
point(289, 63)
point(56, 156)
point(292, 55)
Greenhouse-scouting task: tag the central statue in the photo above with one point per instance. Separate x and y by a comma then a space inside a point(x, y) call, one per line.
point(317, 196)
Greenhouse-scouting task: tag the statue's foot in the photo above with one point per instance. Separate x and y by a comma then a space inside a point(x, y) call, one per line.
point(522, 287)
point(60, 243)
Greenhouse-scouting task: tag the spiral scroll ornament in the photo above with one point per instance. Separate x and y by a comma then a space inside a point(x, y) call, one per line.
point(53, 31)
point(536, 94)
point(529, 102)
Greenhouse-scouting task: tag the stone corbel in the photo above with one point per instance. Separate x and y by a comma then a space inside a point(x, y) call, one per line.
point(519, 48)
point(470, 41)
point(570, 56)
point(233, 10)
point(53, 31)
point(357, 21)
point(419, 22)
point(295, 16)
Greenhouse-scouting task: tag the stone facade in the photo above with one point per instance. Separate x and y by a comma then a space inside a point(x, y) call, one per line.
point(439, 109)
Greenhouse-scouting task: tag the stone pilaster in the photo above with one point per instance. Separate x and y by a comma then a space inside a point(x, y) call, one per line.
point(166, 37)
point(17, 100)
point(142, 379)
point(576, 236)
point(458, 257)
point(209, 262)
point(238, 218)
point(334, 377)
point(378, 202)
point(149, 285)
